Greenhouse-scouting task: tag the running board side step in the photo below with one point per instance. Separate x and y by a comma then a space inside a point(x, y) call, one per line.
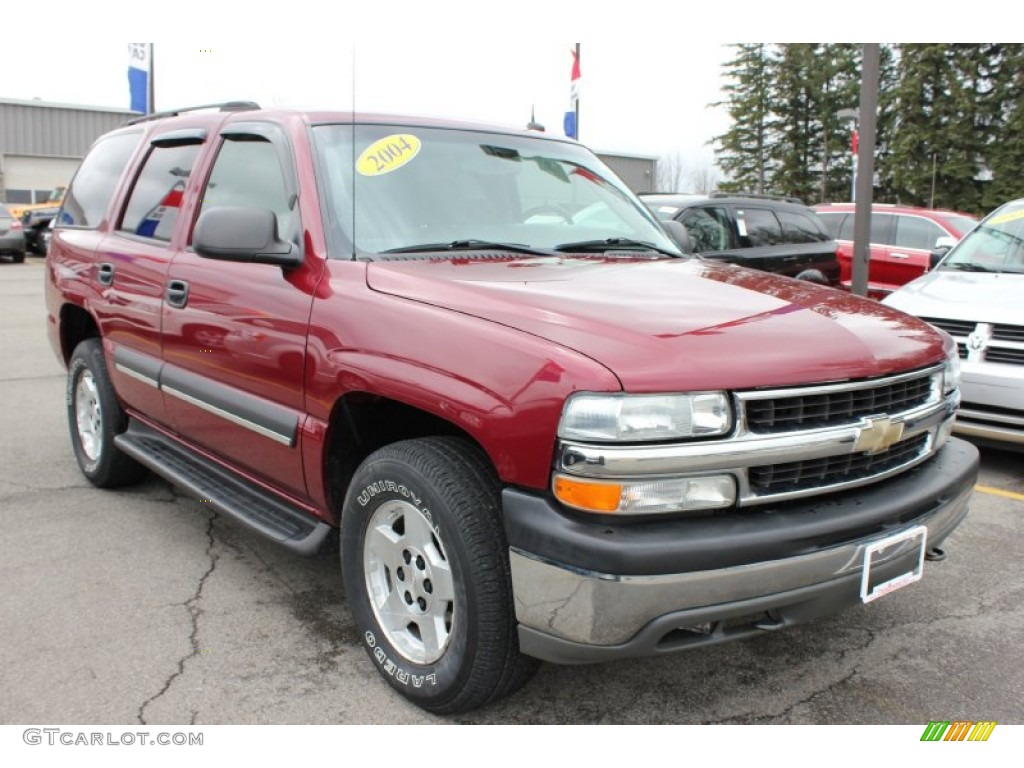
point(207, 481)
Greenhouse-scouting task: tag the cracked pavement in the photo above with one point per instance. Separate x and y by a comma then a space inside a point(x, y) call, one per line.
point(140, 606)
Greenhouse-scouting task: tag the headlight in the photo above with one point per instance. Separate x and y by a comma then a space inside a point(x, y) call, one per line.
point(951, 373)
point(644, 418)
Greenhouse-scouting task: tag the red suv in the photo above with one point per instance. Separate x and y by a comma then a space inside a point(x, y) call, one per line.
point(902, 239)
point(472, 358)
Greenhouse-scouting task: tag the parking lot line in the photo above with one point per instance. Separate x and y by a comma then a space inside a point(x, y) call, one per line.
point(999, 492)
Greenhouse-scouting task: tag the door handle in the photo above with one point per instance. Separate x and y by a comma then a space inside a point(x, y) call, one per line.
point(177, 293)
point(106, 274)
point(900, 255)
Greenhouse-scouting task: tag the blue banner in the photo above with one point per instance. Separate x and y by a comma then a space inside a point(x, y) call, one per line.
point(138, 76)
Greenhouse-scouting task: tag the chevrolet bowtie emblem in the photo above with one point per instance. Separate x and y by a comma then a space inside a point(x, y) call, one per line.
point(878, 434)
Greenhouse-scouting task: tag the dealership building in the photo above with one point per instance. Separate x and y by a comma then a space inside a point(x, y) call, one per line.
point(41, 144)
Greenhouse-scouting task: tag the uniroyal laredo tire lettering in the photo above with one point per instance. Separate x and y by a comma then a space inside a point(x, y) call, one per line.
point(395, 671)
point(390, 486)
point(386, 486)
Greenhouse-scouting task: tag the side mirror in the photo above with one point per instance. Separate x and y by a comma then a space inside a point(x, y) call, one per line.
point(942, 247)
point(243, 234)
point(679, 235)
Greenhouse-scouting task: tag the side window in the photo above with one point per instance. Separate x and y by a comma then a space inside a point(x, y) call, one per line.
point(762, 228)
point(881, 228)
point(247, 174)
point(708, 227)
point(846, 228)
point(831, 222)
point(156, 198)
point(96, 180)
point(799, 227)
point(916, 232)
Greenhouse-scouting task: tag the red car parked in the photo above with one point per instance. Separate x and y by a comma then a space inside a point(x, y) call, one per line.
point(902, 239)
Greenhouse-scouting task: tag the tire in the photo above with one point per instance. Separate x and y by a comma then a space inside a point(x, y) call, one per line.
point(94, 417)
point(426, 571)
point(19, 257)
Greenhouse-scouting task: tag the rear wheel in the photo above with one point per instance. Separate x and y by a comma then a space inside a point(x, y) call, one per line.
point(426, 571)
point(95, 416)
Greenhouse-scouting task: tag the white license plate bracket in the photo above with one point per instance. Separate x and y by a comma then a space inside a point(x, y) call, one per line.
point(915, 537)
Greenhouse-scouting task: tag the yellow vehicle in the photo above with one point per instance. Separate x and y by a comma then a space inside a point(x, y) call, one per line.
point(53, 201)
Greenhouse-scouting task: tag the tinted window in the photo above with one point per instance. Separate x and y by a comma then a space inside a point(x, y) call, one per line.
point(832, 222)
point(96, 180)
point(881, 228)
point(799, 227)
point(916, 232)
point(846, 228)
point(708, 227)
point(759, 226)
point(19, 196)
point(247, 174)
point(156, 198)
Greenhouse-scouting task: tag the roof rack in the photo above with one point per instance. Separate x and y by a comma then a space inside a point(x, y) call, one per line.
point(224, 106)
point(756, 196)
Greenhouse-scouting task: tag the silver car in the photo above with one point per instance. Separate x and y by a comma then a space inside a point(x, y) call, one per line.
point(12, 236)
point(976, 294)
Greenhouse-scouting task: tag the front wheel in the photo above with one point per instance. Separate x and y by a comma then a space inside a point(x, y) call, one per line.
point(426, 571)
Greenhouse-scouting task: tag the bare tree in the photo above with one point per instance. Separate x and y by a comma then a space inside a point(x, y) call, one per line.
point(671, 171)
point(704, 178)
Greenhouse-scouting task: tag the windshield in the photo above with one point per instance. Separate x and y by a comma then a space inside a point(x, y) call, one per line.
point(960, 224)
point(995, 245)
point(404, 188)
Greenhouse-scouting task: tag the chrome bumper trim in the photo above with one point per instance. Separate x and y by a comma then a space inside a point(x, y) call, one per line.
point(603, 609)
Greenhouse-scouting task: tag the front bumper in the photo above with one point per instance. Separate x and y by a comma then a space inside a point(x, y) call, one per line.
point(993, 403)
point(590, 591)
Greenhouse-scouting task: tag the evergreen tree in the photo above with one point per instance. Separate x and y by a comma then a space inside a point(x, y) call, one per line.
point(796, 154)
point(1004, 157)
point(742, 151)
point(947, 122)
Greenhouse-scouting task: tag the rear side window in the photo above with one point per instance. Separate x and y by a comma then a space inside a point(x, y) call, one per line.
point(759, 226)
point(881, 228)
point(96, 181)
point(799, 227)
point(156, 198)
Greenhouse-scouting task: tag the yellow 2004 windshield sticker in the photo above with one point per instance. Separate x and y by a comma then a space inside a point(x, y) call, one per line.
point(388, 154)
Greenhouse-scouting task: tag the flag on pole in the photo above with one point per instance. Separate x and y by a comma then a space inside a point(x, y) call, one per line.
point(571, 128)
point(140, 60)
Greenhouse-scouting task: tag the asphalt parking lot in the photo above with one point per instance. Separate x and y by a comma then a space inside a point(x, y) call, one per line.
point(141, 606)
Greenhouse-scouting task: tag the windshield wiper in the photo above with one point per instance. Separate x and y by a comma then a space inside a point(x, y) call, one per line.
point(471, 245)
point(967, 266)
point(612, 244)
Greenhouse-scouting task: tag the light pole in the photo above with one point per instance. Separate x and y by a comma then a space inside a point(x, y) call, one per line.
point(852, 115)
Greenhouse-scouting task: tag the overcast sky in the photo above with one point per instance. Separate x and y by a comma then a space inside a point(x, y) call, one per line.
point(634, 98)
point(650, 68)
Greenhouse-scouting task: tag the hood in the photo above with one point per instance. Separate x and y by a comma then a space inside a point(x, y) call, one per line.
point(675, 324)
point(976, 296)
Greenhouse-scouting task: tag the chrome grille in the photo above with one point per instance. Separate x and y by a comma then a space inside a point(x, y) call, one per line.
point(833, 470)
point(811, 411)
point(1005, 355)
point(952, 327)
point(1008, 332)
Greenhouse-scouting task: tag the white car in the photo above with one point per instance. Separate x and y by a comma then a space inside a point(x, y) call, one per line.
point(976, 294)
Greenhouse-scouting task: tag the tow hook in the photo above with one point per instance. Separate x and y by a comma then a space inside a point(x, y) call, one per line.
point(935, 554)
